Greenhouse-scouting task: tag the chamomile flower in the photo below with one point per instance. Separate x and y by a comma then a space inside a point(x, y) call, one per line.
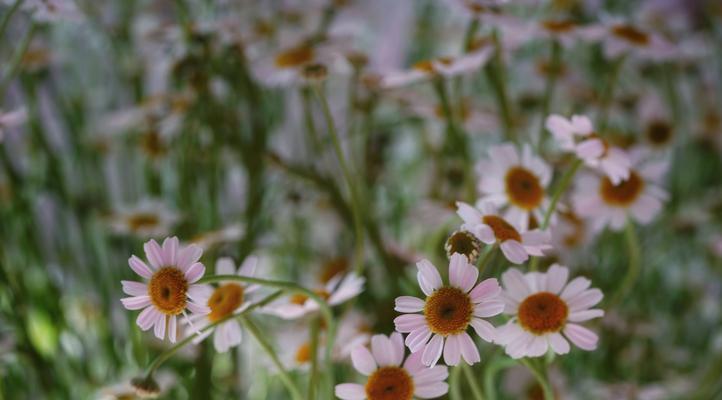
point(516, 182)
point(390, 377)
point(577, 135)
point(12, 119)
point(171, 273)
point(229, 298)
point(545, 310)
point(447, 312)
point(147, 219)
point(490, 228)
point(563, 30)
point(338, 290)
point(620, 38)
point(639, 197)
point(285, 67)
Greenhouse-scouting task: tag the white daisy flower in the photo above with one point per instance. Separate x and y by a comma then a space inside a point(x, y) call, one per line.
point(148, 219)
point(620, 38)
point(563, 30)
point(640, 197)
point(12, 119)
point(545, 310)
point(338, 290)
point(231, 297)
point(516, 182)
point(577, 135)
point(171, 287)
point(389, 376)
point(490, 228)
point(447, 312)
point(285, 67)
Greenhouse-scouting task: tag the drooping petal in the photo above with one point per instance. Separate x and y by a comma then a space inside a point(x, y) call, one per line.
point(433, 350)
point(172, 328)
point(147, 318)
point(558, 343)
point(468, 349)
point(581, 336)
point(452, 352)
point(484, 329)
point(514, 251)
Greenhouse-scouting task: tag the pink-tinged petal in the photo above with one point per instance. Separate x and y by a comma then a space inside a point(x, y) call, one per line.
point(383, 350)
point(220, 339)
point(172, 328)
point(431, 391)
point(409, 304)
point(428, 276)
point(350, 391)
point(136, 302)
point(397, 341)
point(485, 234)
point(409, 322)
point(363, 361)
point(188, 255)
point(196, 308)
point(514, 251)
point(433, 350)
point(147, 318)
point(468, 349)
point(468, 213)
point(154, 254)
point(516, 286)
point(200, 293)
point(416, 339)
point(485, 290)
point(134, 288)
point(519, 347)
point(557, 276)
point(484, 329)
point(452, 352)
point(590, 148)
point(561, 129)
point(585, 299)
point(139, 267)
point(225, 266)
point(489, 308)
point(159, 330)
point(457, 262)
point(580, 316)
point(350, 287)
point(536, 238)
point(413, 364)
point(507, 333)
point(195, 272)
point(248, 268)
point(582, 125)
point(425, 376)
point(581, 336)
point(558, 343)
point(538, 347)
point(576, 286)
point(468, 277)
point(170, 250)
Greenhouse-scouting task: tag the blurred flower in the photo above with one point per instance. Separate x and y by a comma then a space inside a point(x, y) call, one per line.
point(170, 289)
point(577, 135)
point(211, 239)
point(229, 298)
point(640, 197)
point(149, 218)
point(621, 38)
point(354, 329)
point(447, 312)
point(564, 30)
point(11, 120)
point(490, 228)
point(287, 66)
point(387, 378)
point(338, 290)
point(543, 306)
point(53, 10)
point(515, 182)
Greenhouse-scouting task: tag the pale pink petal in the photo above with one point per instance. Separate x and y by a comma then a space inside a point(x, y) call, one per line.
point(409, 322)
point(576, 286)
point(468, 349)
point(580, 316)
point(582, 125)
point(428, 276)
point(516, 286)
point(159, 330)
point(416, 339)
point(431, 391)
point(581, 336)
point(485, 290)
point(147, 318)
point(557, 276)
point(425, 376)
point(350, 391)
point(139, 267)
point(248, 268)
point(489, 308)
point(197, 308)
point(195, 272)
point(457, 264)
point(590, 148)
point(468, 213)
point(363, 361)
point(433, 350)
point(507, 333)
point(154, 254)
point(520, 345)
point(414, 365)
point(170, 250)
point(514, 251)
point(225, 266)
point(200, 293)
point(485, 233)
point(397, 342)
point(136, 302)
point(538, 347)
point(584, 300)
point(558, 343)
point(452, 352)
point(188, 255)
point(134, 288)
point(409, 304)
point(382, 350)
point(484, 329)
point(172, 328)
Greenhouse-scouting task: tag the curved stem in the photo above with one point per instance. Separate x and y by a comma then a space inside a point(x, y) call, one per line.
point(540, 373)
point(260, 338)
point(491, 370)
point(473, 384)
point(634, 264)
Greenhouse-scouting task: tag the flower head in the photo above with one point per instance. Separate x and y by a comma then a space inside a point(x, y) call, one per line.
point(448, 312)
point(171, 273)
point(389, 376)
point(545, 310)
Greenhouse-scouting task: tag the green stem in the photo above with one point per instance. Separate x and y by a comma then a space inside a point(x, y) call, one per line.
point(491, 370)
point(634, 265)
point(540, 373)
point(473, 384)
point(355, 198)
point(314, 333)
point(494, 72)
point(454, 386)
point(8, 16)
point(554, 64)
point(17, 59)
point(608, 94)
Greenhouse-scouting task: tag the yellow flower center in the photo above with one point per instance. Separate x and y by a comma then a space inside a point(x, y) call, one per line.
point(543, 312)
point(142, 220)
point(630, 34)
point(294, 57)
point(623, 194)
point(448, 311)
point(303, 353)
point(167, 290)
point(224, 301)
point(390, 383)
point(523, 188)
point(503, 230)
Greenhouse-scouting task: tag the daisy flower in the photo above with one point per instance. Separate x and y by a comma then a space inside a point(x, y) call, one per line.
point(447, 312)
point(170, 289)
point(640, 197)
point(389, 376)
point(12, 119)
point(149, 218)
point(620, 38)
point(490, 228)
point(563, 30)
point(545, 310)
point(338, 290)
point(577, 135)
point(229, 298)
point(516, 182)
point(285, 67)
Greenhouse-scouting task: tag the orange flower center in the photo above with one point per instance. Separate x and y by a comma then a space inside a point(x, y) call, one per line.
point(465, 243)
point(301, 299)
point(224, 301)
point(448, 311)
point(623, 194)
point(631, 34)
point(167, 290)
point(390, 383)
point(523, 188)
point(503, 230)
point(303, 353)
point(543, 312)
point(429, 66)
point(294, 57)
point(558, 26)
point(142, 220)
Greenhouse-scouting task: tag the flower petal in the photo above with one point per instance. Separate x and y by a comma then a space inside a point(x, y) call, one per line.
point(139, 267)
point(581, 336)
point(409, 304)
point(363, 361)
point(468, 349)
point(350, 391)
point(433, 350)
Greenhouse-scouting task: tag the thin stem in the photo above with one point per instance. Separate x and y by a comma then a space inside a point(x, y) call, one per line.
point(540, 373)
point(491, 369)
point(473, 384)
point(554, 64)
point(454, 386)
point(261, 339)
point(17, 59)
point(608, 93)
point(634, 264)
point(8, 16)
point(314, 333)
